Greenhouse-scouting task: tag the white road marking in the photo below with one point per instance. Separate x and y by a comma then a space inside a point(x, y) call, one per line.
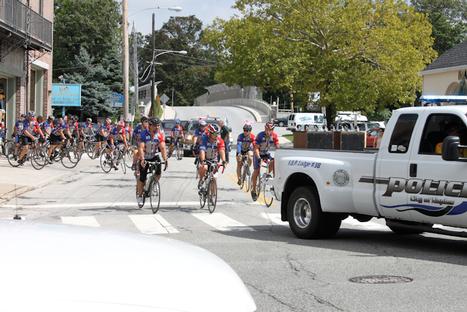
point(108, 205)
point(149, 224)
point(221, 222)
point(370, 225)
point(274, 218)
point(170, 229)
point(82, 220)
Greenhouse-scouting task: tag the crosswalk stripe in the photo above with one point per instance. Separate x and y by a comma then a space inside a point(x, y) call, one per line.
point(170, 229)
point(149, 224)
point(370, 225)
point(274, 218)
point(221, 222)
point(82, 220)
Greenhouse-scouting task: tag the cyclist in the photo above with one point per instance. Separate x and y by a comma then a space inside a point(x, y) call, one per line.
point(128, 130)
point(46, 126)
point(57, 136)
point(102, 135)
point(177, 134)
point(245, 143)
point(152, 141)
point(262, 143)
point(211, 149)
point(197, 135)
point(30, 127)
point(136, 138)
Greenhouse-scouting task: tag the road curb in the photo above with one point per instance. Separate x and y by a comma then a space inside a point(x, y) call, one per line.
point(255, 114)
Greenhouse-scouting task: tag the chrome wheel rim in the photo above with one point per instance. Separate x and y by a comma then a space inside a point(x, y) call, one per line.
point(302, 213)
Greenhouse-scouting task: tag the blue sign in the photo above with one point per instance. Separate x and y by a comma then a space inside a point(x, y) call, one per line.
point(117, 99)
point(66, 94)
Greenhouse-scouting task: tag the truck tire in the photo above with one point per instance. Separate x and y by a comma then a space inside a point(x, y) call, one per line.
point(306, 220)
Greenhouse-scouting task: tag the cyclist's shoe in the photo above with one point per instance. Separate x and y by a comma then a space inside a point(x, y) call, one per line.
point(239, 181)
point(133, 167)
point(139, 200)
point(254, 196)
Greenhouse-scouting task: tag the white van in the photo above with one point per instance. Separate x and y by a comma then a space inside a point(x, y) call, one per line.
point(305, 121)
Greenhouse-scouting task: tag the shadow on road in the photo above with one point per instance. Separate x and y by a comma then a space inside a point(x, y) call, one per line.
point(444, 249)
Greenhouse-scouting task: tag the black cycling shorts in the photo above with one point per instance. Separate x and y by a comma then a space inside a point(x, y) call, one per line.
point(24, 140)
point(143, 171)
point(55, 139)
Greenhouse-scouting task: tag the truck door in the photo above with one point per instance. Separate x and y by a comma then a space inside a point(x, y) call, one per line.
point(392, 169)
point(437, 193)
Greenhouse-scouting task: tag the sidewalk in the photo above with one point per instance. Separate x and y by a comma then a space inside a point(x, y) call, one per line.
point(16, 181)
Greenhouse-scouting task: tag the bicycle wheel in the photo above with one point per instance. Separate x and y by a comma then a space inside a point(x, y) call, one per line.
point(90, 148)
point(129, 157)
point(106, 162)
point(123, 162)
point(179, 152)
point(247, 179)
point(38, 158)
point(12, 154)
point(70, 157)
point(212, 195)
point(155, 196)
point(268, 196)
point(202, 196)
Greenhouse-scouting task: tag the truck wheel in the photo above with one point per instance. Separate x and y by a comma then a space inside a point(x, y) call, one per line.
point(306, 220)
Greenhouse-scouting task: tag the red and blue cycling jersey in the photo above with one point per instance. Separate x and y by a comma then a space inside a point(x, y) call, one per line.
point(177, 131)
point(245, 143)
point(151, 143)
point(118, 134)
point(263, 142)
point(210, 147)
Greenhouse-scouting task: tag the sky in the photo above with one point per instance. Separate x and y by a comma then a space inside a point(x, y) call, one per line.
point(205, 10)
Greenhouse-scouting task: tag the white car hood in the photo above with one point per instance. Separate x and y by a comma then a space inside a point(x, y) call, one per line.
point(65, 268)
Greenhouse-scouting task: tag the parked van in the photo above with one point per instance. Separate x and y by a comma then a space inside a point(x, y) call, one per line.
point(306, 121)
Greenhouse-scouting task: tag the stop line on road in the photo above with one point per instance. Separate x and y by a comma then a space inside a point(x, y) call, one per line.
point(156, 224)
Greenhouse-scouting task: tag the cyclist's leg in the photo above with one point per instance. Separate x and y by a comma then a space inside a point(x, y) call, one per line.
point(157, 174)
point(239, 167)
point(254, 177)
point(271, 166)
point(202, 171)
point(24, 147)
point(141, 178)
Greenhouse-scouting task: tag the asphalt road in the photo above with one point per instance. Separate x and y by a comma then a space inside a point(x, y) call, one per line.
point(283, 273)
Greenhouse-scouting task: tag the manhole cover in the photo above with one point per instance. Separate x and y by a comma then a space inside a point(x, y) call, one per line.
point(380, 279)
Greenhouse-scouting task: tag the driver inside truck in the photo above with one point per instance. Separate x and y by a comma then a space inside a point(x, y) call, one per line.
point(453, 129)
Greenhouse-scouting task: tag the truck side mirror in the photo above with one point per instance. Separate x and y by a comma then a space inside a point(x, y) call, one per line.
point(451, 148)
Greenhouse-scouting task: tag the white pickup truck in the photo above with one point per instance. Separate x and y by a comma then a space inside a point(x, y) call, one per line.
point(409, 182)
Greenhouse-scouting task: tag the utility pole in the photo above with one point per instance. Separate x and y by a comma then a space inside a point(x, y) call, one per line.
point(173, 90)
point(126, 59)
point(135, 71)
point(153, 72)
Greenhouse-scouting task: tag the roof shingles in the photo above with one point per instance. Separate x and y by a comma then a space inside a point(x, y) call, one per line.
point(456, 56)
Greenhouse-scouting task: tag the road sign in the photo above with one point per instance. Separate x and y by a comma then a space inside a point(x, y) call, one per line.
point(66, 94)
point(117, 99)
point(164, 99)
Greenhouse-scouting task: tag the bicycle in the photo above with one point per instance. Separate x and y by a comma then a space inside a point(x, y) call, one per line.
point(152, 188)
point(264, 184)
point(178, 149)
point(245, 174)
point(208, 186)
point(36, 155)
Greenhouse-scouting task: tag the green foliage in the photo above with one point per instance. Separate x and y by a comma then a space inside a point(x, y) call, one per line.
point(360, 55)
point(87, 37)
point(449, 21)
point(95, 93)
point(187, 75)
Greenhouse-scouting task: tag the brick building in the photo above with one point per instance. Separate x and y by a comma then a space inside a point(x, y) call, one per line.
point(25, 57)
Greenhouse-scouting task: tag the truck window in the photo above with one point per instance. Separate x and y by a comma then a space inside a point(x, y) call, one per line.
point(437, 127)
point(402, 133)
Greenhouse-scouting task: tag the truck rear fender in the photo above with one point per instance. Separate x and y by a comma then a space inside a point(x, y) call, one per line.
point(295, 180)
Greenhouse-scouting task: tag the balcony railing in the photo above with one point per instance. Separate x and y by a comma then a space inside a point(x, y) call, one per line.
point(23, 21)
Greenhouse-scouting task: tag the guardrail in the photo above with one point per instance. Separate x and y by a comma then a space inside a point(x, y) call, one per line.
point(14, 17)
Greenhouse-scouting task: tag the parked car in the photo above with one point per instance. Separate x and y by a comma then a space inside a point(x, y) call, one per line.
point(372, 137)
point(58, 268)
point(281, 121)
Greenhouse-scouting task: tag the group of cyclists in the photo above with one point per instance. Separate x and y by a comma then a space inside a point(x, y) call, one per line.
point(148, 143)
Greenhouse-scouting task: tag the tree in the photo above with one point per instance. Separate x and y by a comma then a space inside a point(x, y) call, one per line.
point(358, 54)
point(87, 41)
point(187, 75)
point(448, 19)
point(95, 93)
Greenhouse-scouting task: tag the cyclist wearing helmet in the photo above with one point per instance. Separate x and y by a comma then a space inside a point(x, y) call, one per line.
point(102, 135)
point(88, 128)
point(136, 138)
point(198, 135)
point(177, 134)
point(245, 143)
point(30, 128)
point(151, 143)
point(118, 134)
point(263, 141)
point(212, 146)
